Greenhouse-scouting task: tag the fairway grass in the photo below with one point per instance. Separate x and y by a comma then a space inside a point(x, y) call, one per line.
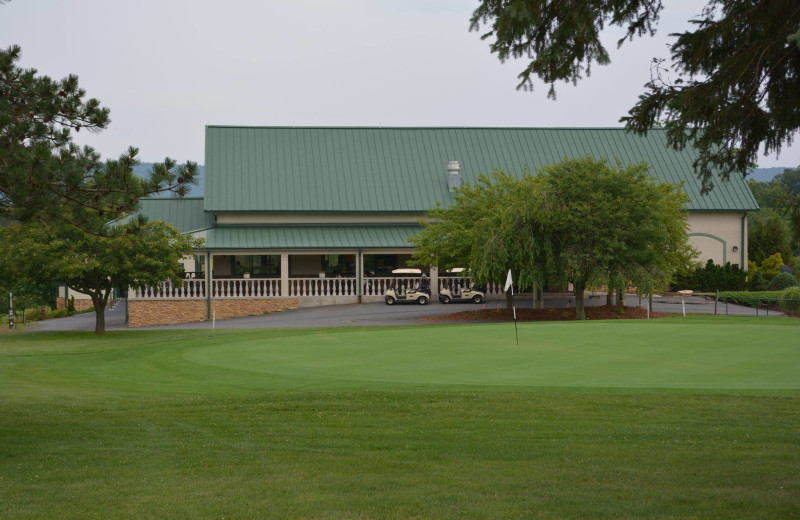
point(672, 418)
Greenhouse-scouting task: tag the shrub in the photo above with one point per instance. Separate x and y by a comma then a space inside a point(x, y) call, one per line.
point(71, 306)
point(771, 266)
point(783, 281)
point(712, 277)
point(792, 294)
point(757, 282)
point(59, 313)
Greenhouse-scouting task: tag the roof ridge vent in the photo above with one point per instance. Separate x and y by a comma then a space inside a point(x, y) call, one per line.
point(453, 175)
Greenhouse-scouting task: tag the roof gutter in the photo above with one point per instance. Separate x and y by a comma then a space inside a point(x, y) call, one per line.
point(744, 231)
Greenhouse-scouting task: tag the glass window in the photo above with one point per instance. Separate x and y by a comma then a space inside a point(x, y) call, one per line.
point(267, 265)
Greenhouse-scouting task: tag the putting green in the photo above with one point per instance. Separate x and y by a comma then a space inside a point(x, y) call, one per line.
point(658, 354)
point(694, 353)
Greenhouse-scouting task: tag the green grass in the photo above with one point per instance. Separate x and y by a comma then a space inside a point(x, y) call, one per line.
point(672, 418)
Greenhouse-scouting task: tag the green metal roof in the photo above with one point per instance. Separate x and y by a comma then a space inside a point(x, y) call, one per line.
point(185, 213)
point(404, 169)
point(308, 237)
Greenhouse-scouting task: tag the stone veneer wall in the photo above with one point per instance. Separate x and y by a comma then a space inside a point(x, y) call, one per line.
point(143, 313)
point(81, 304)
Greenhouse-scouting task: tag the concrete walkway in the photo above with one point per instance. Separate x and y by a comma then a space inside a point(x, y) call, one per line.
point(380, 314)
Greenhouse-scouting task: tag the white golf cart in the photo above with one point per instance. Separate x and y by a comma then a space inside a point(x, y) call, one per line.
point(460, 290)
point(409, 286)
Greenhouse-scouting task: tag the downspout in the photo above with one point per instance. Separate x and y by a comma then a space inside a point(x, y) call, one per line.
point(744, 229)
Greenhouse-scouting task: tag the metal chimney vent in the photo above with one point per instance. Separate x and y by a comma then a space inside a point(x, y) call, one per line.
point(453, 175)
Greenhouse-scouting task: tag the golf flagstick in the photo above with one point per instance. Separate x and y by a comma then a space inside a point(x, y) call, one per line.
point(510, 284)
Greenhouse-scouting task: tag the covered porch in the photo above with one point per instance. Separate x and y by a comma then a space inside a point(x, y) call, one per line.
point(312, 277)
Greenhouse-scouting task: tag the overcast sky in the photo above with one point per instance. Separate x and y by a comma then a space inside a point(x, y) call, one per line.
point(167, 68)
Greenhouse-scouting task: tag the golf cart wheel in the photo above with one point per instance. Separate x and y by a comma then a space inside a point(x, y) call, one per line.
point(477, 298)
point(389, 300)
point(422, 300)
point(445, 299)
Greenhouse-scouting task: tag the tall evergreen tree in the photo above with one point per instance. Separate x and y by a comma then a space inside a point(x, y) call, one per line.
point(43, 173)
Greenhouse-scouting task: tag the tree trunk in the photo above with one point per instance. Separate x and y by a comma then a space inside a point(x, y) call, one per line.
point(620, 297)
point(509, 299)
point(609, 297)
point(580, 313)
point(539, 297)
point(99, 314)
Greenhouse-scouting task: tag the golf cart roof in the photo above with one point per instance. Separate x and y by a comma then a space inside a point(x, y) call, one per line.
point(407, 271)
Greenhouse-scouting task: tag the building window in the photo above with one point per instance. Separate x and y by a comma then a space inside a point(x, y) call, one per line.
point(256, 265)
point(339, 265)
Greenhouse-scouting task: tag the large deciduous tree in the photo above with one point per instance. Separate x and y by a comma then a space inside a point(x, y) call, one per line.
point(579, 221)
point(731, 86)
point(42, 171)
point(615, 225)
point(133, 254)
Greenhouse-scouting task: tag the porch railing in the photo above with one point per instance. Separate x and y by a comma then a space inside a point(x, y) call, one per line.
point(191, 289)
point(271, 287)
point(323, 287)
point(246, 288)
point(378, 286)
point(449, 282)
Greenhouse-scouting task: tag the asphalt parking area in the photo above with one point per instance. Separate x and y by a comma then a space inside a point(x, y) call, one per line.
point(380, 314)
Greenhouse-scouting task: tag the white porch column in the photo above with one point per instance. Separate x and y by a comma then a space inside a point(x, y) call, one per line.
point(359, 274)
point(434, 282)
point(285, 274)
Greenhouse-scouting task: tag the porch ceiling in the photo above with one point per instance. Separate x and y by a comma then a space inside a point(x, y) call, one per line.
point(308, 237)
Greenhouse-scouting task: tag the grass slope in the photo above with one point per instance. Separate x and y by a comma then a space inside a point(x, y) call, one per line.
point(670, 418)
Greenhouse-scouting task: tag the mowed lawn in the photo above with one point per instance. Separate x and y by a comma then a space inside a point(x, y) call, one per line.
point(670, 418)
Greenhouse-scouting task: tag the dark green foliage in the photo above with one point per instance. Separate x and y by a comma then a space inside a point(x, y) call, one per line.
point(71, 306)
point(790, 179)
point(733, 84)
point(757, 282)
point(767, 236)
point(27, 293)
point(782, 281)
point(768, 194)
point(712, 277)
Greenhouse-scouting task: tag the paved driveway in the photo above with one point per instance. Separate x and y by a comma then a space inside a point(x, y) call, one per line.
point(378, 314)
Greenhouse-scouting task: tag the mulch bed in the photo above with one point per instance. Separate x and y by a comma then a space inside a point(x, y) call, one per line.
point(592, 313)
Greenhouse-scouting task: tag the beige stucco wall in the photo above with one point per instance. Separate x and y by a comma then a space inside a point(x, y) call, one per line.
point(722, 226)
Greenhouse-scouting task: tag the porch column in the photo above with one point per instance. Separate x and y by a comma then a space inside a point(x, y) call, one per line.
point(285, 274)
point(434, 282)
point(359, 274)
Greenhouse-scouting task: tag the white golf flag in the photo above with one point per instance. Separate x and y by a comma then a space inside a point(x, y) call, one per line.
point(509, 281)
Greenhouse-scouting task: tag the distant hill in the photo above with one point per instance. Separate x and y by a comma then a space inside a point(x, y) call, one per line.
point(765, 174)
point(194, 191)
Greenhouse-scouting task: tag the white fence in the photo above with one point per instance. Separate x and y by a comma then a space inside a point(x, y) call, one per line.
point(323, 287)
point(378, 286)
point(196, 289)
point(271, 287)
point(191, 289)
point(449, 282)
point(246, 288)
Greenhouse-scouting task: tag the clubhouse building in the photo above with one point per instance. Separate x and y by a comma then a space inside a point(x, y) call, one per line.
point(314, 216)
